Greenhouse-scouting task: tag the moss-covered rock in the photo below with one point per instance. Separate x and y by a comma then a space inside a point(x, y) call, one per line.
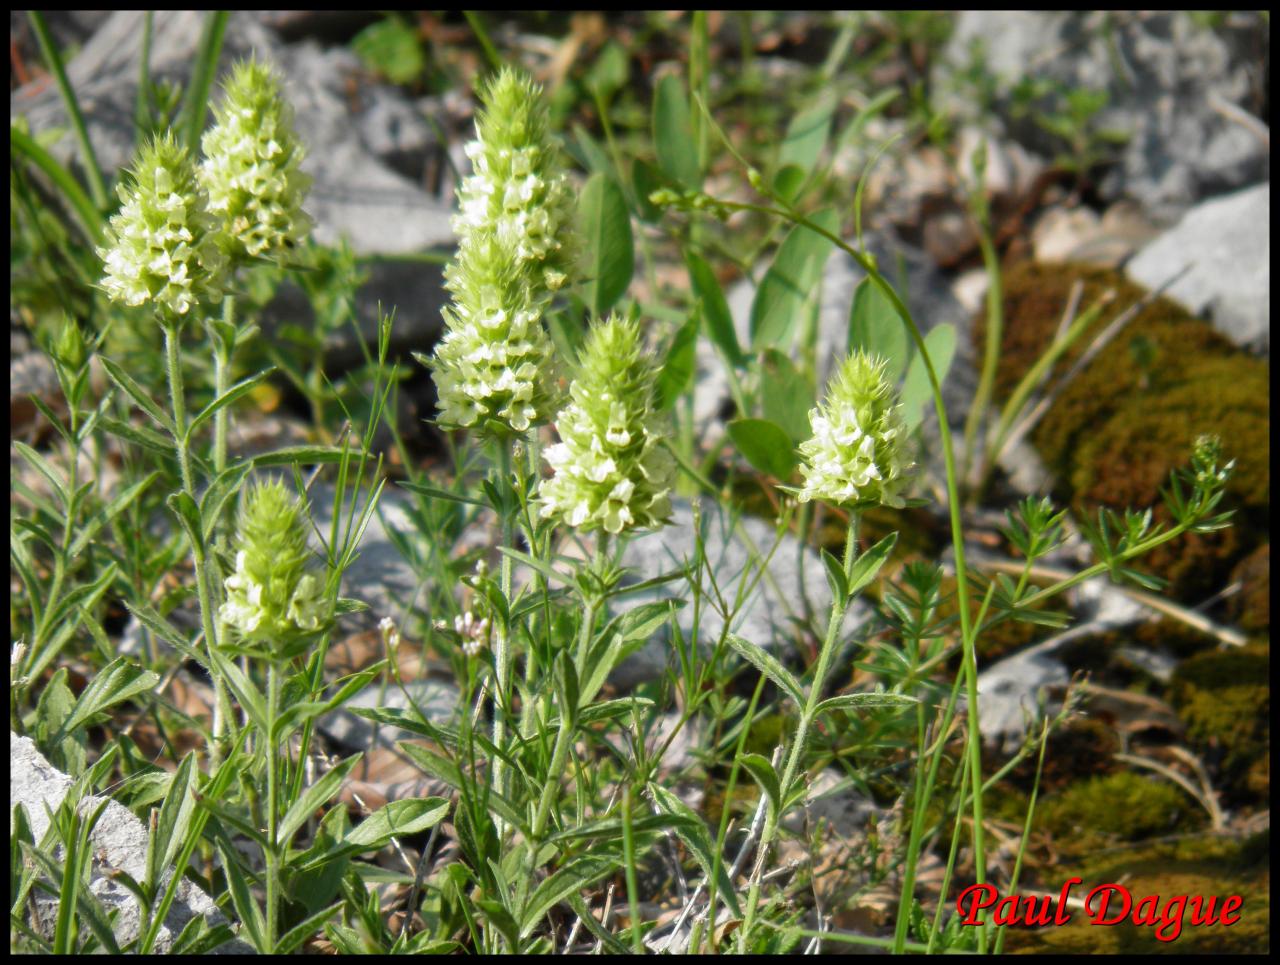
point(1120, 426)
point(1126, 462)
point(1123, 806)
point(1224, 697)
point(1035, 297)
point(1198, 865)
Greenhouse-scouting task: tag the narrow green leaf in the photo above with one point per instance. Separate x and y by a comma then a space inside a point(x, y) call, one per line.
point(436, 493)
point(766, 777)
point(42, 466)
point(693, 832)
point(224, 486)
point(138, 435)
point(195, 105)
point(116, 682)
point(807, 134)
point(836, 578)
point(314, 798)
point(136, 392)
point(247, 909)
point(673, 133)
point(866, 566)
point(91, 219)
point(765, 445)
point(916, 390)
point(579, 873)
point(173, 821)
point(396, 819)
point(768, 665)
point(501, 919)
point(298, 456)
point(854, 702)
point(157, 624)
point(677, 371)
point(790, 281)
point(715, 309)
point(184, 507)
point(593, 156)
point(606, 225)
point(237, 391)
point(641, 622)
point(299, 933)
point(874, 326)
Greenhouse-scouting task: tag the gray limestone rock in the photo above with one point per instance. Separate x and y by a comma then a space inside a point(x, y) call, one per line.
point(119, 841)
point(1185, 92)
point(784, 605)
point(438, 700)
point(1227, 242)
point(354, 194)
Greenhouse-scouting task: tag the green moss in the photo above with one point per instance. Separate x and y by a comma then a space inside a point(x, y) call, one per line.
point(1035, 297)
point(1124, 806)
point(1225, 700)
point(1198, 865)
point(1144, 361)
point(1127, 461)
point(1117, 429)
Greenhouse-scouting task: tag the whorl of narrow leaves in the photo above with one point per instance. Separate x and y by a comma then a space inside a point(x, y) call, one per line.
point(858, 452)
point(162, 246)
point(271, 596)
point(516, 248)
point(251, 165)
point(611, 471)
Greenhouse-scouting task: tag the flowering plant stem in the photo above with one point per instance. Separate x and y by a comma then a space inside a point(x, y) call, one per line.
point(223, 342)
point(968, 635)
point(502, 637)
point(205, 578)
point(796, 755)
point(273, 806)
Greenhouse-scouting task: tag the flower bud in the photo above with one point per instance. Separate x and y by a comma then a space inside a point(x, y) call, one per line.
point(611, 471)
point(858, 452)
point(69, 348)
point(272, 596)
point(162, 245)
point(251, 166)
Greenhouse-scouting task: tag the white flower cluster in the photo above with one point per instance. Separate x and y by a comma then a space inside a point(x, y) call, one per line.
point(859, 449)
point(244, 609)
point(611, 471)
point(162, 245)
point(493, 368)
point(515, 249)
point(251, 165)
point(526, 210)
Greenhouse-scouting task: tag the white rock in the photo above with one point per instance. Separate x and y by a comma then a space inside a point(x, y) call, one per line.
point(773, 614)
point(1227, 242)
point(118, 841)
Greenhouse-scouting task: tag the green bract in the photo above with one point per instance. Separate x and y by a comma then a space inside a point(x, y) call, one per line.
point(858, 452)
point(271, 596)
point(251, 165)
point(162, 245)
point(610, 468)
point(515, 250)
